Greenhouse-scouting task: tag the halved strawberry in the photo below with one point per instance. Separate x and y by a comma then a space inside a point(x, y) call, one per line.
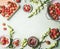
point(18, 1)
point(0, 11)
point(3, 14)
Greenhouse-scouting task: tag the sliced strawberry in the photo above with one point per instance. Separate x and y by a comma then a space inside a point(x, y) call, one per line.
point(3, 14)
point(51, 11)
point(15, 5)
point(18, 1)
point(7, 10)
point(11, 5)
point(50, 8)
point(0, 11)
point(56, 18)
point(7, 42)
point(58, 33)
point(3, 9)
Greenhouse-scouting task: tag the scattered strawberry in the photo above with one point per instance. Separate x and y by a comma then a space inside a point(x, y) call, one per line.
point(4, 28)
point(4, 24)
point(48, 42)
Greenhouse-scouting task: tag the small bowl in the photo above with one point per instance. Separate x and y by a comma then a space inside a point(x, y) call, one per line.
point(57, 34)
point(6, 44)
point(30, 7)
point(15, 40)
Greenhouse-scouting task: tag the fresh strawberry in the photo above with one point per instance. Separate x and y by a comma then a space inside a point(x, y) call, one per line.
point(3, 14)
point(18, 1)
point(4, 28)
point(4, 24)
point(0, 11)
point(48, 42)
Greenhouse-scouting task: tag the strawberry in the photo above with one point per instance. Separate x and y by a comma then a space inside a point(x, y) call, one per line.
point(4, 24)
point(18, 1)
point(3, 14)
point(4, 28)
point(48, 42)
point(0, 11)
point(3, 9)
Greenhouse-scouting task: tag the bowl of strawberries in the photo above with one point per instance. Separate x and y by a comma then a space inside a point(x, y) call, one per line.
point(53, 10)
point(4, 41)
point(54, 33)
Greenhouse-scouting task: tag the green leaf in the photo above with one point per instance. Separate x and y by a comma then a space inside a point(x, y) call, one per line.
point(11, 31)
point(24, 43)
point(11, 45)
point(36, 10)
point(53, 45)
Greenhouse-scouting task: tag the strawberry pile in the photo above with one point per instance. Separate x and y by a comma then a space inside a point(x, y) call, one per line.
point(54, 33)
point(9, 10)
point(54, 10)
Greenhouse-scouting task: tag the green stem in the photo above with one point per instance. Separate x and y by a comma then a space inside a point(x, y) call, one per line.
point(38, 8)
point(11, 45)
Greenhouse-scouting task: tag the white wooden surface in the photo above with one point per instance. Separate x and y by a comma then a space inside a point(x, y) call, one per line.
point(25, 27)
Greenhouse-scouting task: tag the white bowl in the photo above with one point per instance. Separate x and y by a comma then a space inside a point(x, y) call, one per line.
point(6, 44)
